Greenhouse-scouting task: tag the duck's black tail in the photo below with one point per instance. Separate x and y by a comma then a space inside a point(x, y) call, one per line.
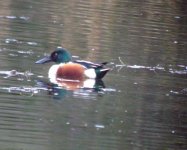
point(101, 73)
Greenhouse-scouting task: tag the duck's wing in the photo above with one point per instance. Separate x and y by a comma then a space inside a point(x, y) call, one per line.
point(89, 64)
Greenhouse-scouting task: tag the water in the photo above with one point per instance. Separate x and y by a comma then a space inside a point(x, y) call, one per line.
point(142, 104)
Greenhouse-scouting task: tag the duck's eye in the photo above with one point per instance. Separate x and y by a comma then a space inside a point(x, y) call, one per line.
point(54, 56)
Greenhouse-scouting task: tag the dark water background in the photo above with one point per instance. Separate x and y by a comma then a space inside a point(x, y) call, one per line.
point(143, 105)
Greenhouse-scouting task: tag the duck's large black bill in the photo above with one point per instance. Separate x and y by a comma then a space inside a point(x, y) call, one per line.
point(44, 60)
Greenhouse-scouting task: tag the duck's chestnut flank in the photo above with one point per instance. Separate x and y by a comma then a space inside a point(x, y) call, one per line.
point(71, 72)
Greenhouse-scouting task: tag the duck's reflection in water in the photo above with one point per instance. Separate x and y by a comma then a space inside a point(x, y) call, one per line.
point(84, 89)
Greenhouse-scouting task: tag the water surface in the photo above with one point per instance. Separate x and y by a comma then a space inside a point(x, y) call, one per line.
point(142, 104)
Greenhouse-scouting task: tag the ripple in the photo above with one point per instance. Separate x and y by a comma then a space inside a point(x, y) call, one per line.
point(99, 126)
point(182, 92)
point(25, 52)
point(32, 43)
point(177, 69)
point(25, 18)
point(21, 90)
point(10, 40)
point(15, 41)
point(10, 17)
point(13, 73)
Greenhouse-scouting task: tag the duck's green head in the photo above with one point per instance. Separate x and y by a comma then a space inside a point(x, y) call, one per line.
point(60, 55)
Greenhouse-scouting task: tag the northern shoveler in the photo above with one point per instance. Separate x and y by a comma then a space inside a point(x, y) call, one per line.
point(69, 70)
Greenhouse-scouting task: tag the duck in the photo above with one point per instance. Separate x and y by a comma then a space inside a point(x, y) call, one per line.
point(66, 69)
